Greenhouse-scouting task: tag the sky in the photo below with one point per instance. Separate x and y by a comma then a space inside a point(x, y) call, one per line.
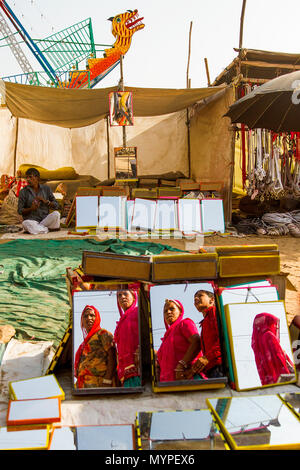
point(158, 57)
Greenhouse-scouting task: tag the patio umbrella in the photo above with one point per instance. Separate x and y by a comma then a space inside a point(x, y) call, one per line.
point(275, 105)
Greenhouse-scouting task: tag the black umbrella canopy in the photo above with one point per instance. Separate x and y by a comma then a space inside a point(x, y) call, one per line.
point(275, 105)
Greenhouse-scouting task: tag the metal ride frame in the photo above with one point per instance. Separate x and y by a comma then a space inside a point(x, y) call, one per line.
point(58, 54)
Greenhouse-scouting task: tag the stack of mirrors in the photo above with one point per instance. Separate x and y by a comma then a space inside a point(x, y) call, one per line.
point(256, 336)
point(33, 408)
point(179, 430)
point(256, 423)
point(169, 216)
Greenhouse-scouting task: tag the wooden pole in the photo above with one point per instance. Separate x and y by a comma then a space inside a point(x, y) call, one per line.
point(188, 82)
point(207, 72)
point(16, 146)
point(188, 85)
point(122, 89)
point(242, 27)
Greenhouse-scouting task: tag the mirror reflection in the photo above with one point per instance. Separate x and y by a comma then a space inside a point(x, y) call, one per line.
point(110, 437)
point(257, 421)
point(261, 348)
point(24, 440)
point(106, 339)
point(179, 430)
point(185, 332)
point(293, 399)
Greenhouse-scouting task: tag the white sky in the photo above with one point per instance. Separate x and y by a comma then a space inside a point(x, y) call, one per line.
point(159, 53)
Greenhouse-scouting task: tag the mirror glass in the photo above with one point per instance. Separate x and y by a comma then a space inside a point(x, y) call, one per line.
point(29, 411)
point(248, 294)
point(185, 328)
point(87, 211)
point(212, 212)
point(130, 207)
point(262, 283)
point(179, 430)
point(112, 212)
point(114, 437)
point(120, 108)
point(106, 340)
point(260, 341)
point(257, 421)
point(293, 399)
point(165, 215)
point(62, 438)
point(189, 215)
point(39, 387)
point(30, 439)
point(125, 163)
point(143, 214)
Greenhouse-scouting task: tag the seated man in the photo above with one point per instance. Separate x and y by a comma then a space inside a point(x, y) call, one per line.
point(35, 201)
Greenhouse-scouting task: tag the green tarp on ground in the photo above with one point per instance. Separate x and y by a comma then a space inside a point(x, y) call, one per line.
point(33, 292)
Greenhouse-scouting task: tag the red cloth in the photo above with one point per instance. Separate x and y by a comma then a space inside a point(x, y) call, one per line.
point(271, 360)
point(210, 339)
point(174, 345)
point(127, 340)
point(86, 336)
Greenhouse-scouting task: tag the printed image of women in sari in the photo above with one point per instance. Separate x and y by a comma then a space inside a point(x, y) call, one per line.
point(126, 338)
point(180, 344)
point(271, 360)
point(95, 360)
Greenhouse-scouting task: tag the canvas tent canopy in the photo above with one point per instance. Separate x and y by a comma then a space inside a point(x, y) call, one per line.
point(55, 128)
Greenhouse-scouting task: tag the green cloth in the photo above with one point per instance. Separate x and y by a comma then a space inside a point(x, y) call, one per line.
point(33, 291)
point(132, 382)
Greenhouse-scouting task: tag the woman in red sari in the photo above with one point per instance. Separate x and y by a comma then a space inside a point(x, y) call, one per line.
point(95, 359)
point(180, 345)
point(127, 338)
point(271, 360)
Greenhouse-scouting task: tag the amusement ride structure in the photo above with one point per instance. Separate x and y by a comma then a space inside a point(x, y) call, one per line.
point(61, 54)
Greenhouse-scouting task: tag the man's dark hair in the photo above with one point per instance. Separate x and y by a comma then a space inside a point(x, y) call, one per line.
point(32, 172)
point(211, 295)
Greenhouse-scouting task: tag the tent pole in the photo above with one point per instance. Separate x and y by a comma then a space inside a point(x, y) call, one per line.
point(207, 72)
point(121, 85)
point(188, 85)
point(16, 145)
point(108, 147)
point(241, 34)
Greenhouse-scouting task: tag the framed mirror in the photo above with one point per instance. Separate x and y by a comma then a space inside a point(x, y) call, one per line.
point(38, 411)
point(46, 386)
point(87, 211)
point(106, 340)
point(143, 218)
point(106, 437)
point(120, 108)
point(259, 422)
point(179, 430)
point(165, 216)
point(212, 213)
point(126, 163)
point(242, 294)
point(186, 347)
point(62, 438)
point(112, 213)
point(29, 439)
point(260, 344)
point(189, 216)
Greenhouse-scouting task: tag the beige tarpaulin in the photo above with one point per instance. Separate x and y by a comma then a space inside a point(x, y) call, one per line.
point(211, 140)
point(78, 108)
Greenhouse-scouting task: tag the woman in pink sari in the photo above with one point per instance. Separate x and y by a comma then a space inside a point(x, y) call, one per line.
point(95, 359)
point(180, 345)
point(271, 360)
point(126, 338)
